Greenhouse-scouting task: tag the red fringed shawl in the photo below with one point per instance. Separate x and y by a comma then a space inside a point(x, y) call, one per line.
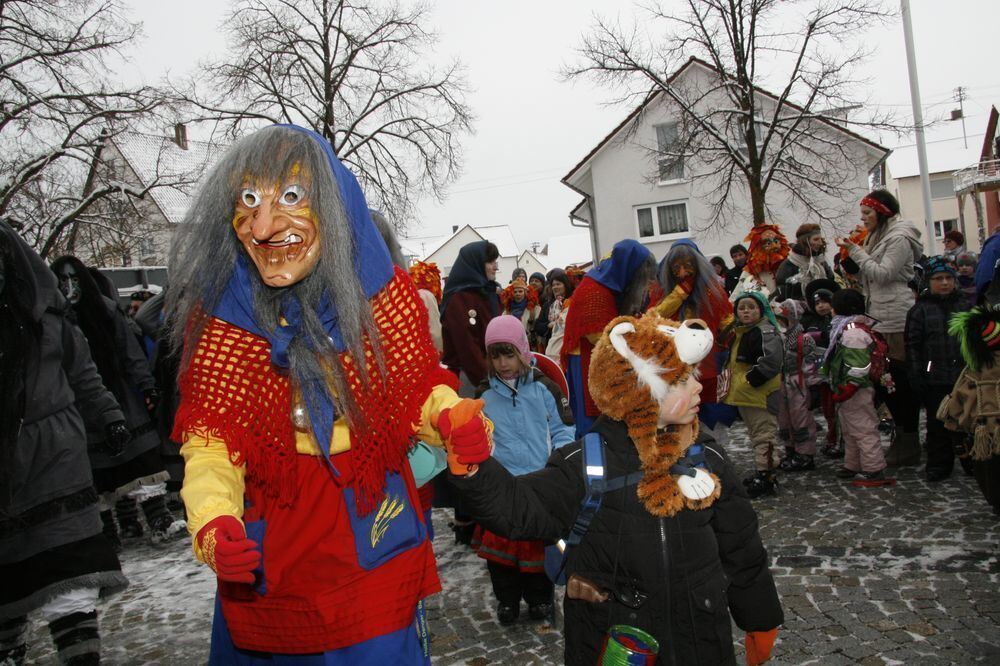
point(593, 307)
point(232, 392)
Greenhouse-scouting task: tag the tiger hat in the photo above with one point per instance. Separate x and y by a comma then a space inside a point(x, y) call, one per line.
point(633, 367)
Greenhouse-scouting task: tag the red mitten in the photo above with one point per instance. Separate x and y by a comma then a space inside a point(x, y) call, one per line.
point(226, 548)
point(758, 646)
point(467, 435)
point(845, 393)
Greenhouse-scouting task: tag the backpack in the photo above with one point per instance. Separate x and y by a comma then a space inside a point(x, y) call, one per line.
point(557, 554)
point(592, 450)
point(878, 368)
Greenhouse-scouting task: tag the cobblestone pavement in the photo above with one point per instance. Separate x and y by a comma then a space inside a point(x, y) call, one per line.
point(895, 575)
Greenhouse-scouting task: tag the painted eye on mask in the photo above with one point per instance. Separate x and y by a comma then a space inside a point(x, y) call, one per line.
point(250, 197)
point(293, 195)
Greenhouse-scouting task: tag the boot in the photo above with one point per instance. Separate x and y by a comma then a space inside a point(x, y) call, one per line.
point(761, 484)
point(110, 531)
point(904, 450)
point(128, 518)
point(162, 524)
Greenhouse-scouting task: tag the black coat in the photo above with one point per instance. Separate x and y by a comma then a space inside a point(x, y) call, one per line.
point(934, 357)
point(693, 567)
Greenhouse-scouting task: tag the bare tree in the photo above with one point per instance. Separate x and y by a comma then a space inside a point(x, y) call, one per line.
point(58, 106)
point(354, 72)
point(744, 137)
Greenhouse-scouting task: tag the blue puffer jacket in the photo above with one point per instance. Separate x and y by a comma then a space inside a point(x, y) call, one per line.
point(529, 421)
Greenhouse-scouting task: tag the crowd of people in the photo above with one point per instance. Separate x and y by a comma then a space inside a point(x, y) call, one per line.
point(323, 396)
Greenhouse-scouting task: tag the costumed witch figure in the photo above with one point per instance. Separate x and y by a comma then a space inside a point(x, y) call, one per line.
point(137, 474)
point(673, 548)
point(307, 373)
point(619, 285)
point(692, 291)
point(54, 557)
point(973, 406)
point(768, 248)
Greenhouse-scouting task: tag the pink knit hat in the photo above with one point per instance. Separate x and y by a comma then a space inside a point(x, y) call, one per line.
point(508, 328)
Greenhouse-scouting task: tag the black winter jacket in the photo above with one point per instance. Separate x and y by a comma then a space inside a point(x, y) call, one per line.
point(934, 357)
point(692, 567)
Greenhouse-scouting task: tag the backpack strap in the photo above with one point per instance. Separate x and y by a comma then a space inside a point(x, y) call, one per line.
point(695, 458)
point(594, 476)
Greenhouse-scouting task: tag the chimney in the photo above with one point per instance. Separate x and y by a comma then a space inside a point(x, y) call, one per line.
point(454, 228)
point(181, 136)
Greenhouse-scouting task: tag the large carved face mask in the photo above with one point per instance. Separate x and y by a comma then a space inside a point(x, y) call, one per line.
point(277, 227)
point(69, 283)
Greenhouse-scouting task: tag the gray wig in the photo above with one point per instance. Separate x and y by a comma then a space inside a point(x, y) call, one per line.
point(389, 236)
point(634, 297)
point(205, 250)
point(708, 289)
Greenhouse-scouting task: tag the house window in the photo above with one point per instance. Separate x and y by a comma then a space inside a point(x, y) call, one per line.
point(662, 220)
point(942, 188)
point(671, 166)
point(758, 128)
point(145, 246)
point(941, 227)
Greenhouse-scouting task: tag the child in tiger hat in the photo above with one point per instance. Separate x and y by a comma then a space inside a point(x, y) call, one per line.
point(674, 548)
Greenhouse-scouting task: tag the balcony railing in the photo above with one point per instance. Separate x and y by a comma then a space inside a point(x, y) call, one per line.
point(976, 176)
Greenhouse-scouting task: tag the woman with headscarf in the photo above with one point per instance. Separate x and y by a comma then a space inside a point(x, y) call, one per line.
point(470, 301)
point(616, 286)
point(884, 264)
point(693, 291)
point(53, 555)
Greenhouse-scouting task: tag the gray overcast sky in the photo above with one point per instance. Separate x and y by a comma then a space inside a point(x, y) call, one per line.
point(532, 128)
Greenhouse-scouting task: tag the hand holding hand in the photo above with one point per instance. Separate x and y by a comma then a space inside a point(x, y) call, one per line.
point(226, 548)
point(758, 646)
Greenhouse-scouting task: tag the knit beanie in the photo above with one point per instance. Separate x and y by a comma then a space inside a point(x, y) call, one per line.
point(939, 265)
point(823, 295)
point(507, 328)
point(537, 276)
point(519, 283)
point(848, 302)
point(967, 259)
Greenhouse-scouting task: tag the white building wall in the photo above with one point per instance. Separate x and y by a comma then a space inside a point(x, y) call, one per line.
point(621, 176)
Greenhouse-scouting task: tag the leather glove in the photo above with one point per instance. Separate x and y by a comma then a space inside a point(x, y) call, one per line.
point(117, 435)
point(152, 398)
point(226, 548)
point(845, 393)
point(467, 435)
point(758, 646)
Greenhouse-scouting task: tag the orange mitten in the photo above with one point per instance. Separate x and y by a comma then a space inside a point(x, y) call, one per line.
point(467, 435)
point(758, 646)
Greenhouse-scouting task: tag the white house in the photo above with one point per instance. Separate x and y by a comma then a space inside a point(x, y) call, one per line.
point(628, 194)
point(446, 251)
point(171, 167)
point(943, 159)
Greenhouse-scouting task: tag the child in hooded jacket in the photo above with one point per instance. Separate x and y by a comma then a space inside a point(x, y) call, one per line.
point(846, 366)
point(796, 424)
point(935, 359)
point(755, 359)
point(531, 418)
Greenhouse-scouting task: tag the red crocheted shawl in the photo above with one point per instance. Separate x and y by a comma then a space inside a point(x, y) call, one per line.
point(231, 391)
point(593, 307)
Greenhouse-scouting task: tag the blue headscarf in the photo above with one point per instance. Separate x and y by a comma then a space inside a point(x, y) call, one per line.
point(617, 271)
point(373, 267)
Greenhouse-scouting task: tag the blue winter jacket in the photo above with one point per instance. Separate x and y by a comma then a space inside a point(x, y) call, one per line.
point(529, 422)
